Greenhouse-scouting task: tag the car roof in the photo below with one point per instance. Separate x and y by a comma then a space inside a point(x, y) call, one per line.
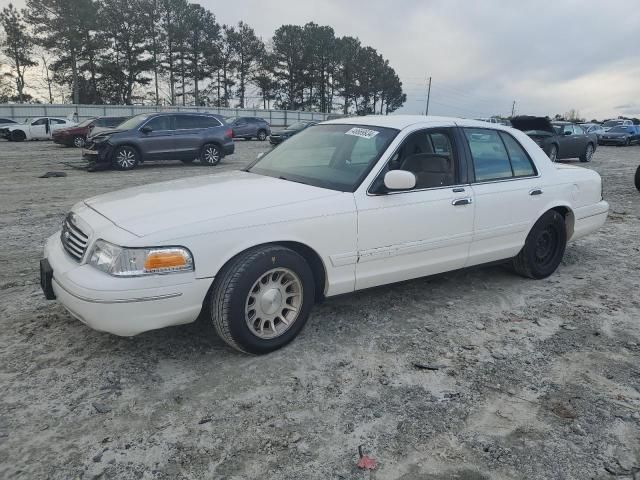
point(401, 122)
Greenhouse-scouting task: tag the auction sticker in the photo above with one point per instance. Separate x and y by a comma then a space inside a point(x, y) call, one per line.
point(362, 132)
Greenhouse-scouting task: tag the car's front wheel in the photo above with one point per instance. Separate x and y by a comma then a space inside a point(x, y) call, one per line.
point(544, 248)
point(588, 154)
point(78, 141)
point(261, 300)
point(210, 154)
point(125, 158)
point(262, 135)
point(18, 136)
point(553, 153)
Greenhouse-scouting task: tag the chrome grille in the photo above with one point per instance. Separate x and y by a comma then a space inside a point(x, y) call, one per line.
point(73, 239)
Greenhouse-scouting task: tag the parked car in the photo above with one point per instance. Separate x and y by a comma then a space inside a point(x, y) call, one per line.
point(593, 129)
point(559, 140)
point(161, 136)
point(609, 124)
point(76, 136)
point(39, 128)
point(249, 127)
point(347, 205)
point(621, 135)
point(290, 131)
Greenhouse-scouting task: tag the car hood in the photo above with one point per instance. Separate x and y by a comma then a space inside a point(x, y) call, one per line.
point(149, 209)
point(285, 132)
point(617, 134)
point(527, 123)
point(99, 131)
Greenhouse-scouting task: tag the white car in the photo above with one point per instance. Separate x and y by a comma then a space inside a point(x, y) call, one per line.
point(347, 204)
point(38, 128)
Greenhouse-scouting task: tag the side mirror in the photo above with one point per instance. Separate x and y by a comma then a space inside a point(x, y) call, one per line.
point(567, 133)
point(399, 180)
point(146, 129)
point(260, 155)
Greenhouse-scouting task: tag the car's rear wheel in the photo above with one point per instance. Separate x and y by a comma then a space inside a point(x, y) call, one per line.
point(210, 154)
point(261, 300)
point(78, 141)
point(18, 136)
point(637, 179)
point(588, 154)
point(262, 135)
point(125, 158)
point(553, 153)
point(544, 248)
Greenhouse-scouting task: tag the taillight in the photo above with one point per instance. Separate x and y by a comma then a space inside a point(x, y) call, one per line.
point(228, 133)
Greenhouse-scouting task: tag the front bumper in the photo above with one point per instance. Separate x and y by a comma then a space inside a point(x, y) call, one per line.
point(122, 306)
point(276, 140)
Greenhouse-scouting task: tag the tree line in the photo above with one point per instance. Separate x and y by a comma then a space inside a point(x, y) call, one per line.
point(175, 52)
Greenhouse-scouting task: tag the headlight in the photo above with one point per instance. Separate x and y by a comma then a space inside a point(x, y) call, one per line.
point(101, 139)
point(133, 262)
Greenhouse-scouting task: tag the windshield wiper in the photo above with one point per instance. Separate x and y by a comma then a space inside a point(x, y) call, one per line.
point(291, 180)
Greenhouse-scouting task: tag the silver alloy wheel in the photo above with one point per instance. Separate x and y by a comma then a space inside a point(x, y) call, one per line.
point(273, 303)
point(589, 153)
point(126, 158)
point(553, 155)
point(211, 154)
point(78, 142)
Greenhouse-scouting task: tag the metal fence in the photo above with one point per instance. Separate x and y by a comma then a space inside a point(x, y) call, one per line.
point(277, 118)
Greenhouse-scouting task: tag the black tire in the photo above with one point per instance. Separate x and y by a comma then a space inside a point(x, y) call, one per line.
point(588, 153)
point(262, 135)
point(18, 136)
point(544, 247)
point(125, 158)
point(210, 154)
point(637, 179)
point(627, 142)
point(229, 297)
point(78, 141)
point(553, 153)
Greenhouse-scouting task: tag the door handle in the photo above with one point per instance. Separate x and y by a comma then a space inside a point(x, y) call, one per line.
point(458, 190)
point(536, 191)
point(461, 201)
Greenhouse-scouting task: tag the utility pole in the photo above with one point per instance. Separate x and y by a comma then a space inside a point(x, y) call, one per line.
point(428, 96)
point(513, 108)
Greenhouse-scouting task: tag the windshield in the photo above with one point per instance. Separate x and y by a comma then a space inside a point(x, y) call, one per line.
point(337, 157)
point(133, 122)
point(620, 130)
point(612, 123)
point(297, 126)
point(559, 128)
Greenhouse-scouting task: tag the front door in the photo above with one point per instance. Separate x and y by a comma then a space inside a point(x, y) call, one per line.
point(39, 128)
point(158, 144)
point(417, 232)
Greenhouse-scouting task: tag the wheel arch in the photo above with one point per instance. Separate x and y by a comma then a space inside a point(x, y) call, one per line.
point(569, 218)
point(311, 256)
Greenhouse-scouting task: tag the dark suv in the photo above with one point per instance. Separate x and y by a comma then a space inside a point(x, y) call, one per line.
point(161, 136)
point(249, 127)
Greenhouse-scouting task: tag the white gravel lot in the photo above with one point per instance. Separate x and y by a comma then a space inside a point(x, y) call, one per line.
point(537, 380)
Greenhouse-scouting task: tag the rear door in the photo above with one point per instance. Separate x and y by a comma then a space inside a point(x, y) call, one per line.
point(188, 134)
point(241, 127)
point(507, 193)
point(159, 143)
point(581, 139)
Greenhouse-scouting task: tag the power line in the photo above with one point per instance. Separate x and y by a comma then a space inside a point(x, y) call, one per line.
point(428, 97)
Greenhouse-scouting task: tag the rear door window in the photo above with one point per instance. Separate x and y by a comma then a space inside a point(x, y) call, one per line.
point(490, 158)
point(520, 162)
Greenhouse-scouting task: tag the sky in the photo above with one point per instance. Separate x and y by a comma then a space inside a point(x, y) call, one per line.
point(549, 56)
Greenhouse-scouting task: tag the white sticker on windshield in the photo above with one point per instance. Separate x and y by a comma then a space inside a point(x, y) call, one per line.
point(362, 132)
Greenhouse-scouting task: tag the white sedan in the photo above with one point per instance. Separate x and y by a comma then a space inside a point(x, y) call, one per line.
point(345, 205)
point(38, 128)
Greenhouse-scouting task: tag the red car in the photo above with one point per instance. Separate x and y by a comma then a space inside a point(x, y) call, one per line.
point(77, 135)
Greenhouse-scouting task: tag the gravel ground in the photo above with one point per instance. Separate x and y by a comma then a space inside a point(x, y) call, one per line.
point(535, 379)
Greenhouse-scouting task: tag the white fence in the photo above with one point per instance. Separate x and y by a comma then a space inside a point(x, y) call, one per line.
point(277, 118)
